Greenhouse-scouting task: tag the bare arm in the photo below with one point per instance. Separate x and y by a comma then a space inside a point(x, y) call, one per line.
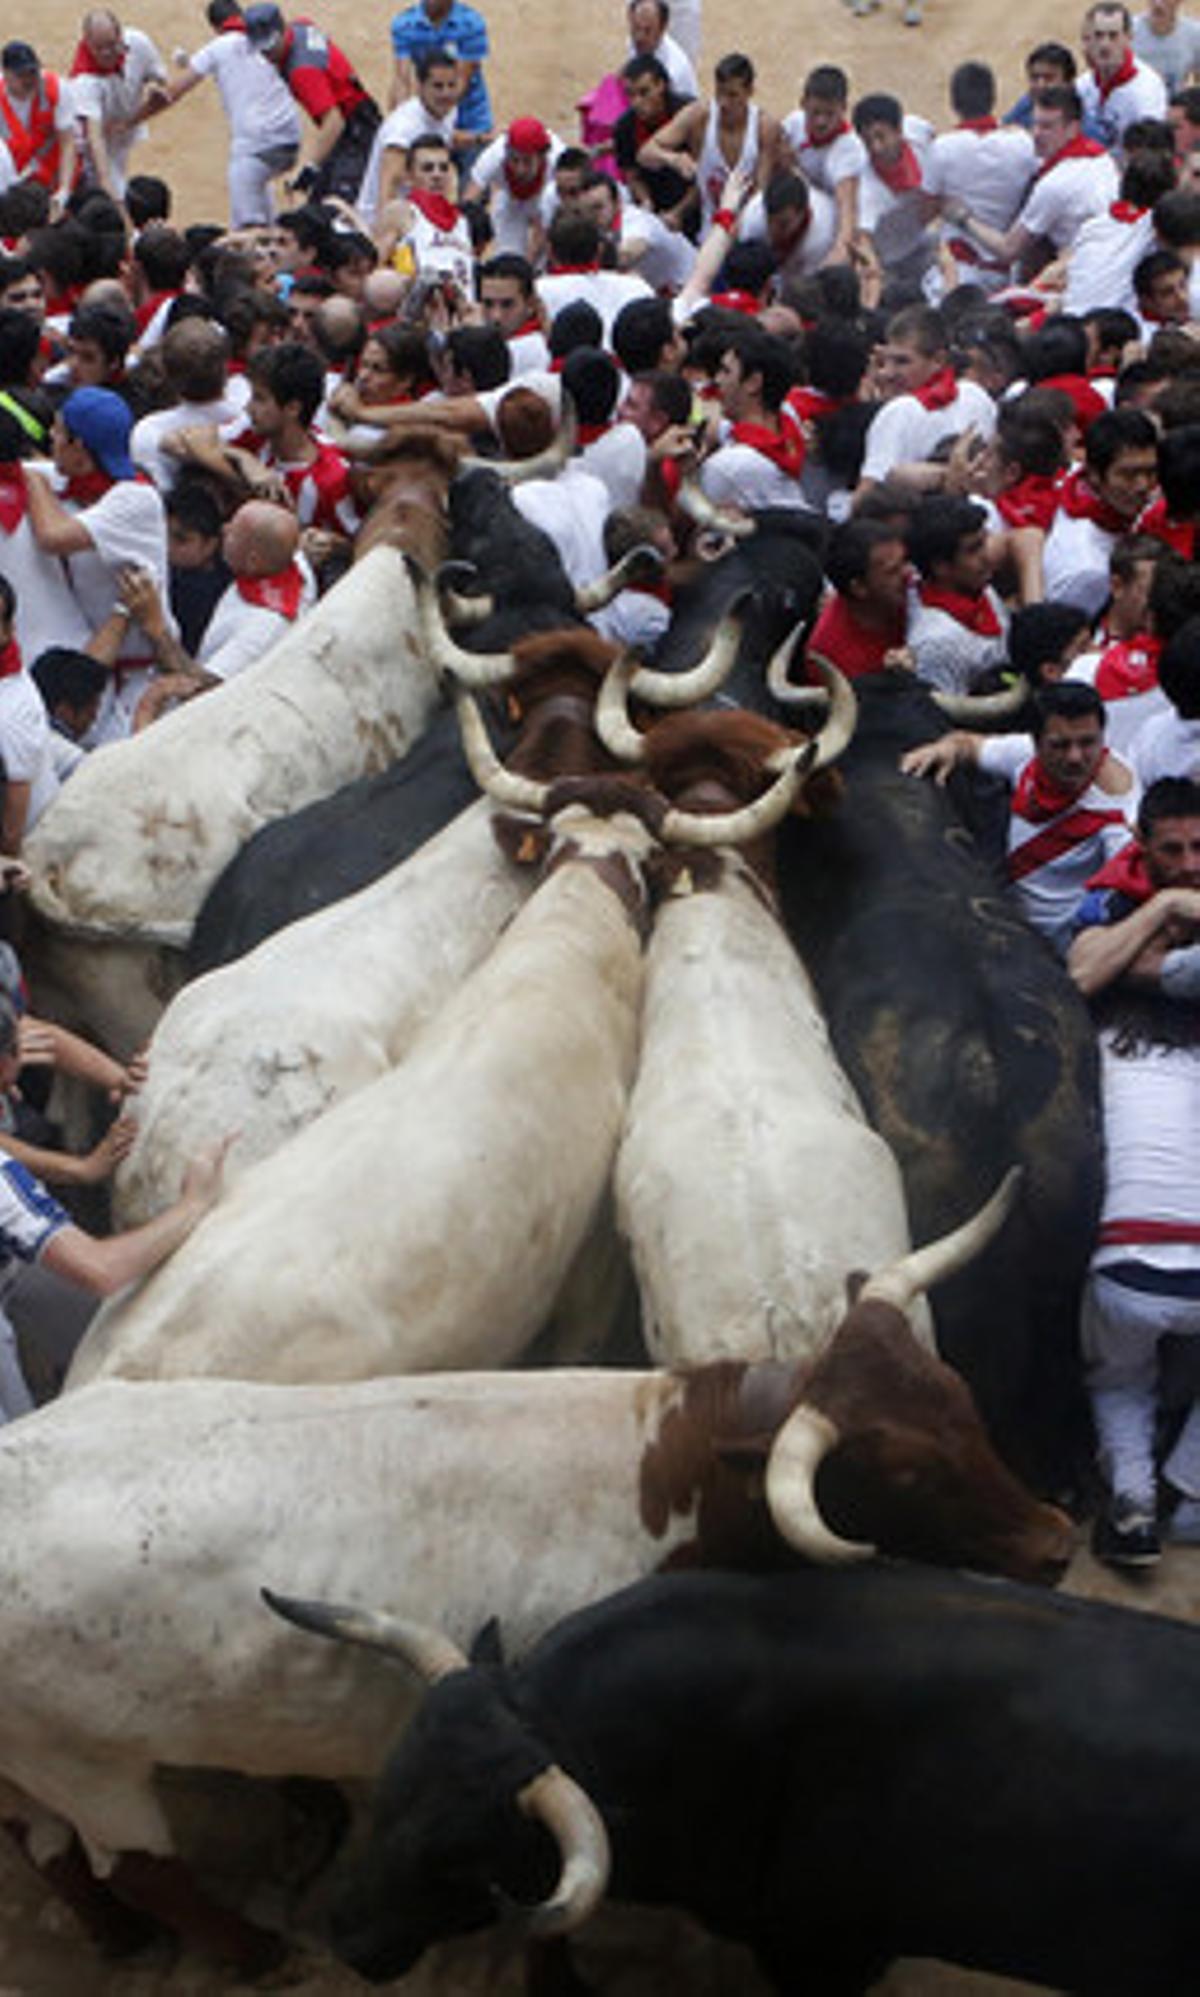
point(56, 531)
point(16, 811)
point(1099, 956)
point(106, 1266)
point(62, 1168)
point(403, 81)
point(672, 144)
point(940, 759)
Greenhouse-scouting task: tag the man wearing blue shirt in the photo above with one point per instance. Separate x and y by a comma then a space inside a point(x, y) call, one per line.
point(444, 24)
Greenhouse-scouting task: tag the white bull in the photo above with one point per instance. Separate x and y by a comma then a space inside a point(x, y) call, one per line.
point(428, 1221)
point(129, 848)
point(325, 1006)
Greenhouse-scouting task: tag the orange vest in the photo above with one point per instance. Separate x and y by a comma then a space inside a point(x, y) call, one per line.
point(38, 137)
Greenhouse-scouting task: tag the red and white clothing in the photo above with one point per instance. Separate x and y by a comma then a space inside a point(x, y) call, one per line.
point(528, 349)
point(811, 246)
point(439, 240)
point(1055, 844)
point(33, 128)
point(1103, 258)
point(1078, 182)
point(605, 290)
point(128, 528)
point(410, 120)
point(1078, 546)
point(617, 456)
point(891, 206)
point(47, 612)
point(253, 615)
point(1133, 91)
point(109, 99)
point(825, 162)
point(712, 167)
point(264, 126)
point(1125, 675)
point(757, 465)
point(909, 428)
point(854, 648)
point(988, 166)
point(1151, 1210)
point(1166, 746)
point(513, 215)
point(956, 639)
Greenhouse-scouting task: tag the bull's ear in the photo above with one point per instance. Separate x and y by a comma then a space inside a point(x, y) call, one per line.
point(487, 1648)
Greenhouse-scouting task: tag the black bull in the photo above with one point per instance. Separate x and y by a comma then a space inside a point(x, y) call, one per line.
point(971, 1051)
point(837, 1768)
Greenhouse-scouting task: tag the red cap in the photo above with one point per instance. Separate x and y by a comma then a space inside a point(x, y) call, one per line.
point(528, 135)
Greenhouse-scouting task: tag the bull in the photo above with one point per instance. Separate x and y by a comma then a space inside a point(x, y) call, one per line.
point(834, 1768)
point(777, 570)
point(969, 1049)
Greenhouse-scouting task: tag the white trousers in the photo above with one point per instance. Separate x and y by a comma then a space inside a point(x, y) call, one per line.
point(1121, 1329)
point(250, 177)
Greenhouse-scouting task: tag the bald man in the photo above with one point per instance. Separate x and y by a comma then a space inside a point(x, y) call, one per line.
point(117, 77)
point(272, 584)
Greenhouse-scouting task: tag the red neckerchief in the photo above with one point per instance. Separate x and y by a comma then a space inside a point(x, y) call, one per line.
point(978, 125)
point(661, 589)
point(784, 448)
point(83, 63)
point(1076, 148)
point(1125, 74)
point(14, 497)
point(903, 174)
point(853, 647)
point(280, 592)
point(10, 659)
point(531, 191)
point(809, 404)
point(974, 613)
point(531, 325)
point(1126, 211)
point(1126, 873)
point(1077, 498)
point(737, 301)
point(1037, 797)
point(1086, 401)
point(939, 391)
point(587, 433)
point(233, 24)
point(145, 312)
point(1031, 502)
point(1129, 667)
point(88, 487)
point(643, 131)
point(574, 269)
point(437, 210)
point(1177, 534)
point(834, 132)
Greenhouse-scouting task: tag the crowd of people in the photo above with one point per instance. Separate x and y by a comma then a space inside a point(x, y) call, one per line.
point(972, 352)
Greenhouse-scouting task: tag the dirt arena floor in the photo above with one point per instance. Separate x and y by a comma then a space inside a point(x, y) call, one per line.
point(545, 55)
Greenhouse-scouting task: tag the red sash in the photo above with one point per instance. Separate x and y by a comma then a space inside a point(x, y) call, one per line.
point(1076, 148)
point(281, 592)
point(25, 142)
point(939, 391)
point(783, 447)
point(974, 613)
point(1113, 1232)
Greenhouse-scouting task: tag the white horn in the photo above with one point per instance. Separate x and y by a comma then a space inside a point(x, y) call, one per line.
point(556, 1800)
point(800, 1447)
point(913, 1274)
point(425, 1649)
point(505, 788)
point(699, 507)
point(640, 564)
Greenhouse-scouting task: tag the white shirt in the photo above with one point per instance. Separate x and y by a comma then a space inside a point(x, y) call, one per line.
point(1102, 261)
point(1144, 96)
point(1064, 198)
point(25, 746)
point(571, 510)
point(528, 353)
point(814, 245)
point(991, 172)
point(1075, 563)
point(619, 459)
point(895, 221)
point(666, 255)
point(949, 656)
point(256, 101)
point(106, 99)
point(146, 437)
point(824, 166)
point(606, 290)
point(47, 612)
point(1151, 1106)
point(1174, 56)
point(128, 526)
point(1167, 746)
point(238, 632)
point(512, 218)
point(1051, 891)
point(738, 475)
point(410, 120)
point(904, 432)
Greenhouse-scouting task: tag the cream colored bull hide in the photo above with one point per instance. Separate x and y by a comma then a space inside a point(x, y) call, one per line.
point(426, 1222)
point(264, 1045)
point(748, 1183)
point(130, 847)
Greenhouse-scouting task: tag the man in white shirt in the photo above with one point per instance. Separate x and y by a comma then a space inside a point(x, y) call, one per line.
point(117, 76)
point(930, 406)
point(432, 108)
point(1117, 88)
point(1075, 179)
point(1169, 744)
point(47, 613)
point(195, 358)
point(648, 24)
point(827, 151)
point(957, 627)
point(1109, 246)
point(514, 177)
point(37, 120)
point(797, 222)
point(985, 164)
point(264, 124)
point(760, 458)
point(892, 208)
point(508, 301)
point(1097, 504)
point(574, 272)
point(1168, 42)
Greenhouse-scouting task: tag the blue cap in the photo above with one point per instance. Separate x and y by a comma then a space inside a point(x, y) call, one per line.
point(101, 422)
point(263, 25)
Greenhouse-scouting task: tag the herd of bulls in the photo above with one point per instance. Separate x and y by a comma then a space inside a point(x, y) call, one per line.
point(639, 1071)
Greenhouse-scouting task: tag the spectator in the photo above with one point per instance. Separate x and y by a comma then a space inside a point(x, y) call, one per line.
point(37, 120)
point(323, 82)
point(117, 76)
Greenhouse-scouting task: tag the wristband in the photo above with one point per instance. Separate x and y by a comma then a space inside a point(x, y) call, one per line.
point(725, 219)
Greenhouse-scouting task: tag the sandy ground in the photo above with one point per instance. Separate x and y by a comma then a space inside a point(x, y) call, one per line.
point(544, 56)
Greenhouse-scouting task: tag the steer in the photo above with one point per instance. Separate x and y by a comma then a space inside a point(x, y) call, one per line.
point(836, 1769)
point(139, 1519)
point(969, 1049)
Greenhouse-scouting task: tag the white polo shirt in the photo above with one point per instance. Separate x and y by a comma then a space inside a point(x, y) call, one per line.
point(1143, 96)
point(814, 245)
point(1103, 258)
point(990, 171)
point(260, 108)
point(842, 158)
point(1065, 197)
point(904, 432)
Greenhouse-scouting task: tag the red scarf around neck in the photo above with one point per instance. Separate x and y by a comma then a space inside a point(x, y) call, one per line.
point(233, 24)
point(1126, 211)
point(281, 592)
point(1126, 873)
point(834, 132)
point(1076, 148)
point(83, 63)
point(574, 269)
point(808, 405)
point(1177, 534)
point(939, 391)
point(531, 325)
point(437, 210)
point(903, 174)
point(979, 125)
point(88, 487)
point(588, 433)
point(1031, 502)
point(974, 613)
point(14, 498)
point(1124, 74)
point(1036, 797)
point(738, 301)
point(1078, 499)
point(1129, 667)
point(784, 447)
point(10, 659)
point(525, 190)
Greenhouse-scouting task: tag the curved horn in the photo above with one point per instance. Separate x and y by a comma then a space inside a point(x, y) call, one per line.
point(479, 669)
point(452, 579)
point(699, 507)
point(556, 1800)
point(640, 564)
point(518, 471)
point(784, 690)
point(425, 1649)
point(612, 722)
point(974, 710)
point(835, 737)
point(737, 828)
point(502, 786)
point(913, 1274)
point(806, 1438)
point(702, 680)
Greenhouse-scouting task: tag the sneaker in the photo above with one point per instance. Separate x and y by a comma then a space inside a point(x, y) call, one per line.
point(1126, 1535)
point(1184, 1529)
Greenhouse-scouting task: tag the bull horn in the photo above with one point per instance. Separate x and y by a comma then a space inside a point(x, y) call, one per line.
point(694, 501)
point(479, 669)
point(503, 786)
point(797, 1453)
point(780, 687)
point(557, 1801)
point(518, 471)
point(702, 680)
point(452, 579)
point(424, 1649)
point(640, 564)
point(612, 722)
point(973, 710)
point(913, 1274)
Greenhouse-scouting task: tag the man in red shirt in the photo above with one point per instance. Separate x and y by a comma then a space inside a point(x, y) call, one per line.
point(323, 82)
point(863, 622)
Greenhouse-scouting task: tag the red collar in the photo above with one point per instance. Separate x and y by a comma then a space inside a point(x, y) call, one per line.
point(1177, 534)
point(1126, 873)
point(436, 209)
point(1037, 797)
point(1076, 148)
point(88, 487)
point(904, 174)
point(835, 132)
point(233, 24)
point(14, 497)
point(974, 613)
point(737, 301)
point(574, 269)
point(1128, 667)
point(10, 659)
point(530, 191)
point(83, 63)
point(979, 125)
point(531, 325)
point(785, 448)
point(281, 592)
point(939, 391)
point(1125, 74)
point(1031, 502)
point(1126, 211)
point(1078, 499)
